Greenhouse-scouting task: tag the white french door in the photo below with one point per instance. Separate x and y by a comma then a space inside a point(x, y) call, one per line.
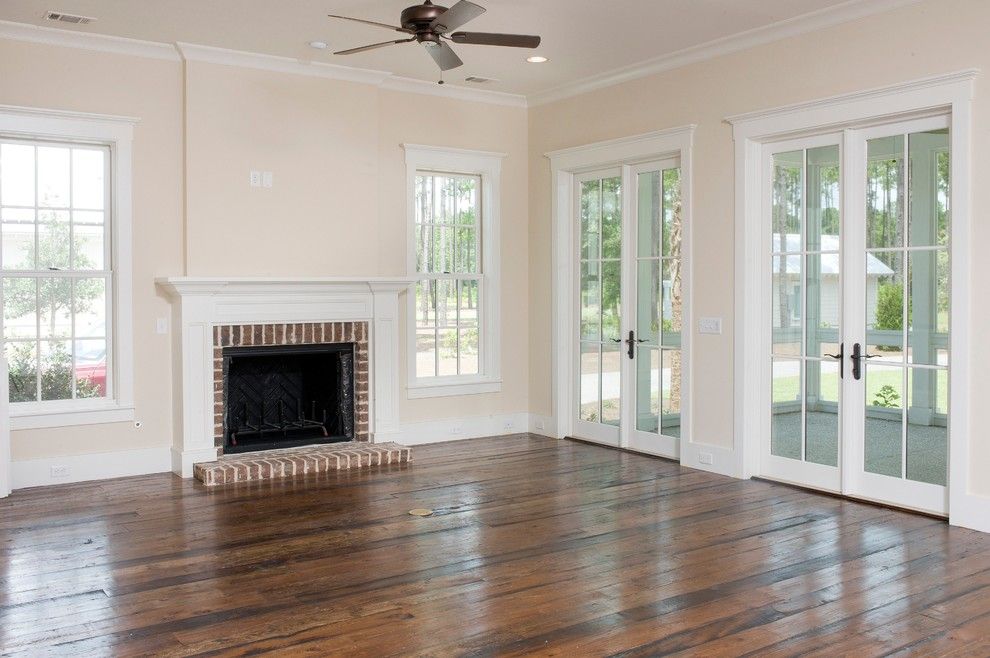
point(858, 276)
point(630, 306)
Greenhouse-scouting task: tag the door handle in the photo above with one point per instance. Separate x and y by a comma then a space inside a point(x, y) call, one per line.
point(631, 342)
point(857, 357)
point(840, 358)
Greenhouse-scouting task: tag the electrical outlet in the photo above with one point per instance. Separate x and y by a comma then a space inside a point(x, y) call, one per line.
point(508, 426)
point(60, 471)
point(706, 458)
point(456, 429)
point(539, 425)
point(255, 178)
point(710, 325)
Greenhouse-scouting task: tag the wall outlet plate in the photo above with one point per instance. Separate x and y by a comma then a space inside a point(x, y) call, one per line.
point(706, 458)
point(255, 178)
point(60, 471)
point(709, 325)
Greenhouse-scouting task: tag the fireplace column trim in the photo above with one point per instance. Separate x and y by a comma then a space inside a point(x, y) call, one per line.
point(199, 304)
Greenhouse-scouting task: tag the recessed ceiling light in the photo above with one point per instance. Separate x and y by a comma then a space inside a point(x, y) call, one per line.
point(319, 45)
point(536, 59)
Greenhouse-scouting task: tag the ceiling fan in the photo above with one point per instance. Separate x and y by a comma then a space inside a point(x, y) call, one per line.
point(432, 25)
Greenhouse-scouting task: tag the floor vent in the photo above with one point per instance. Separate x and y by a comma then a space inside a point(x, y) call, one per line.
point(62, 17)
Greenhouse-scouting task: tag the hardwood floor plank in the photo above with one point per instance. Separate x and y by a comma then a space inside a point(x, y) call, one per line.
point(536, 546)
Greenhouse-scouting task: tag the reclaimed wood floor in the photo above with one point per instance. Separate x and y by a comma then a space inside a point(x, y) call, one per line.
point(537, 547)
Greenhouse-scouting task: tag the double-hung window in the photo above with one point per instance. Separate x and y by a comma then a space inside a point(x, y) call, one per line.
point(58, 275)
point(453, 319)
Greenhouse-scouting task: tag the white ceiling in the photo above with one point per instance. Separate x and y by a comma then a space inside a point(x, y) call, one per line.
point(582, 38)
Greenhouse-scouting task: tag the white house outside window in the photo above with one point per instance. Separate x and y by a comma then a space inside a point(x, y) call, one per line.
point(65, 285)
point(453, 245)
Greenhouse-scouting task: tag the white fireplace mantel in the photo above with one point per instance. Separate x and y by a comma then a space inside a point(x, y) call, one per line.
point(200, 303)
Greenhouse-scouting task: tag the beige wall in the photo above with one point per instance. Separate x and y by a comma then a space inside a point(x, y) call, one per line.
point(70, 79)
point(337, 206)
point(930, 38)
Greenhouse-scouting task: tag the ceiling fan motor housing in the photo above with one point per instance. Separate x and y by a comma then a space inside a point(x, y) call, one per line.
point(419, 17)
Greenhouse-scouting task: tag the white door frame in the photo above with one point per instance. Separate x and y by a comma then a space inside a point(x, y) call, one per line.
point(949, 94)
point(565, 165)
point(4, 430)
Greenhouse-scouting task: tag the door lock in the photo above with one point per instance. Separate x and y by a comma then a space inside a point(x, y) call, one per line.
point(631, 341)
point(857, 357)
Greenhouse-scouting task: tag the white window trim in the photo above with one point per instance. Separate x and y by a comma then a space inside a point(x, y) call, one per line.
point(488, 166)
point(950, 94)
point(116, 132)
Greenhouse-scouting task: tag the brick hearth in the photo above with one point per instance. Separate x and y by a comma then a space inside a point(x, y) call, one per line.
point(290, 462)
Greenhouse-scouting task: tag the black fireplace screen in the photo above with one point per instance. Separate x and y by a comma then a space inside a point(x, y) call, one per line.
point(279, 397)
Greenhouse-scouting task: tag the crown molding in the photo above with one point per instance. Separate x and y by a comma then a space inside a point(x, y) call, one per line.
point(191, 52)
point(966, 75)
point(65, 114)
point(196, 53)
point(87, 41)
point(817, 20)
point(413, 86)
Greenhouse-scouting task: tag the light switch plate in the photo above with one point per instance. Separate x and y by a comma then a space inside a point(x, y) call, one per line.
point(161, 325)
point(710, 325)
point(266, 179)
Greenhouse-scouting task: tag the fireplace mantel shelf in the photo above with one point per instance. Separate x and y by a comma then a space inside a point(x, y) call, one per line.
point(202, 303)
point(190, 285)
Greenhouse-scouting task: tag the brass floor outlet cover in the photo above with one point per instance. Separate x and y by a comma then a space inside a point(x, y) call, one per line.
point(420, 511)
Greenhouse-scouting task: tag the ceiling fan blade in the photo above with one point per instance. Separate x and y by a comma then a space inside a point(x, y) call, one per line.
point(456, 16)
point(444, 56)
point(361, 49)
point(493, 39)
point(375, 23)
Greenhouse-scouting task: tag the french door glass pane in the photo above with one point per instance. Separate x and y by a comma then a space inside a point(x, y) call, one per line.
point(591, 370)
point(821, 398)
point(671, 393)
point(927, 430)
point(786, 300)
point(647, 389)
point(785, 427)
point(611, 363)
point(823, 216)
point(788, 200)
point(929, 188)
point(883, 438)
point(885, 192)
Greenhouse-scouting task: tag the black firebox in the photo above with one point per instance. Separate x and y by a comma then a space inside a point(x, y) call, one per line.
point(285, 396)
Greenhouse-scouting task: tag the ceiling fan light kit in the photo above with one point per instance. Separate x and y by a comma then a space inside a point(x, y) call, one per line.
point(432, 25)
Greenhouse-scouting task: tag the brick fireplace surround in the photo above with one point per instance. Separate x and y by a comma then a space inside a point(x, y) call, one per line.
point(304, 333)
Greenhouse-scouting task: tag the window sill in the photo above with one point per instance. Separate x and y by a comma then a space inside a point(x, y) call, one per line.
point(452, 387)
point(69, 415)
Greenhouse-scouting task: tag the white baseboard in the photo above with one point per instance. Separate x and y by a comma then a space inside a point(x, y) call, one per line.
point(723, 460)
point(972, 511)
point(543, 425)
point(98, 466)
point(455, 429)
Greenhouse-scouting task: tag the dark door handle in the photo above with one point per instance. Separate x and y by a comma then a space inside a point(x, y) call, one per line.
point(839, 357)
point(631, 342)
point(857, 357)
